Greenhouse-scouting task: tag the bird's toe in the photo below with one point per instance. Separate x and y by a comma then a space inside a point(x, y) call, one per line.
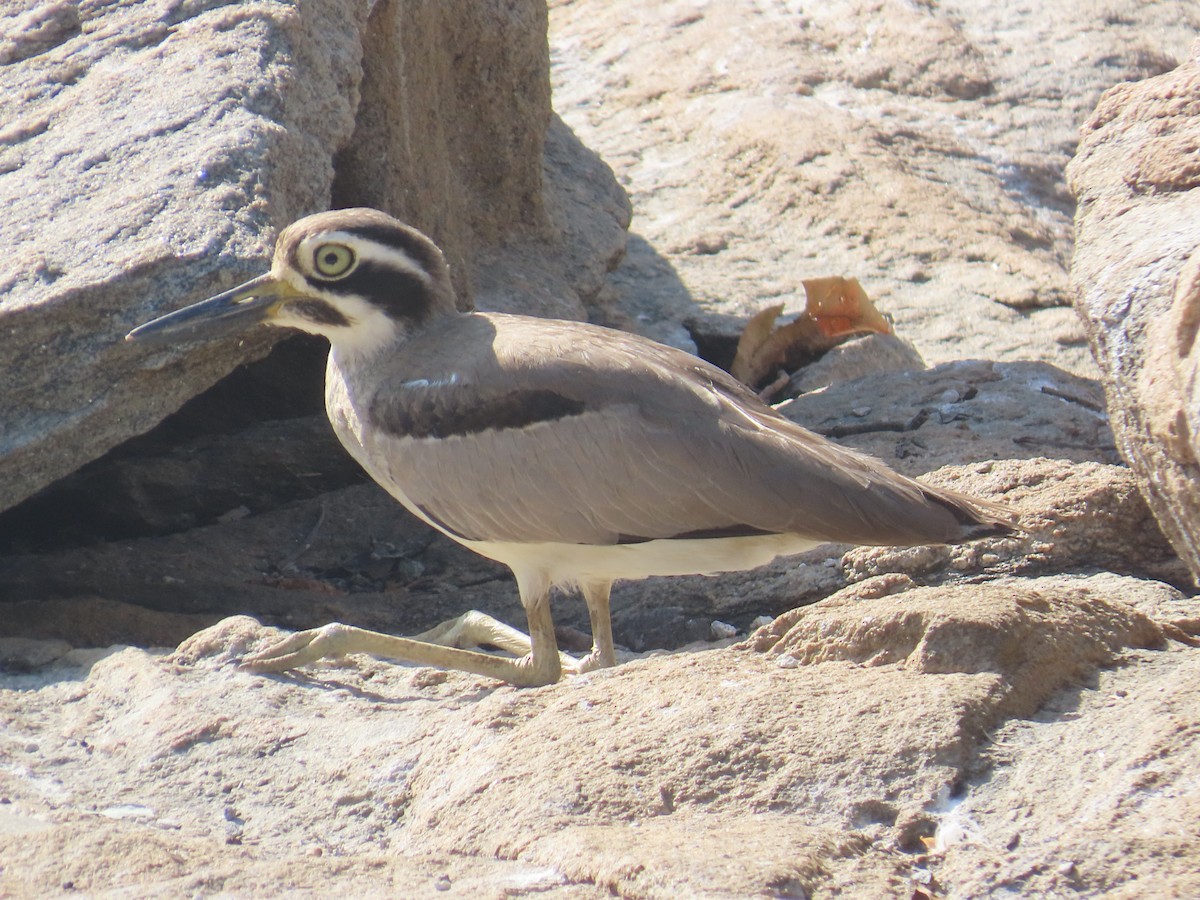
point(295, 650)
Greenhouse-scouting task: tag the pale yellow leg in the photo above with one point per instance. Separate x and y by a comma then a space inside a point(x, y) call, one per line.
point(539, 662)
point(603, 656)
point(476, 629)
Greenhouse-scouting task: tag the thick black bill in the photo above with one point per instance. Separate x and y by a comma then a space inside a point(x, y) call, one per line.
point(229, 313)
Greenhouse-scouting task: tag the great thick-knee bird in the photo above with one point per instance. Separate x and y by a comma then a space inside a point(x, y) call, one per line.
point(576, 455)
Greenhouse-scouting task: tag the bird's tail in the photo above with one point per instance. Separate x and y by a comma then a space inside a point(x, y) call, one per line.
point(977, 518)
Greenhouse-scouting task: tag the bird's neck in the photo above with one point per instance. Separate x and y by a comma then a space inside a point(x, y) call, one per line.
point(377, 336)
point(360, 347)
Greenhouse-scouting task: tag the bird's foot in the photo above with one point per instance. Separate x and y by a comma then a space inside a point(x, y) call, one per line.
point(475, 629)
point(303, 647)
point(299, 649)
point(592, 662)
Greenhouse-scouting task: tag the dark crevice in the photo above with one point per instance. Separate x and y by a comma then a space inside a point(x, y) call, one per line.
point(193, 467)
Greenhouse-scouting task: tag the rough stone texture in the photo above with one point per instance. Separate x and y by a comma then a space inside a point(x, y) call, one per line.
point(867, 355)
point(465, 84)
point(916, 146)
point(148, 150)
point(959, 411)
point(151, 151)
point(816, 768)
point(986, 721)
point(1038, 633)
point(1137, 281)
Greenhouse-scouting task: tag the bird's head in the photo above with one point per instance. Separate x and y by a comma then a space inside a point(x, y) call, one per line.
point(356, 276)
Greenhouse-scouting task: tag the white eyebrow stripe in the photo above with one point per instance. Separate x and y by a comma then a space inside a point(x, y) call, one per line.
point(393, 258)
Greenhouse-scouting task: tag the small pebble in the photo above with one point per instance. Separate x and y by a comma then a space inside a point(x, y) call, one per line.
point(787, 661)
point(722, 630)
point(442, 884)
point(709, 244)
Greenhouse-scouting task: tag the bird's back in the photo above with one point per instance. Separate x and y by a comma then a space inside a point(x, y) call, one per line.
point(529, 430)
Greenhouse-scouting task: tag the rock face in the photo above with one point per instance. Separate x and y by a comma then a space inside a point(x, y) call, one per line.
point(1137, 282)
point(151, 151)
point(918, 147)
point(1012, 717)
point(877, 743)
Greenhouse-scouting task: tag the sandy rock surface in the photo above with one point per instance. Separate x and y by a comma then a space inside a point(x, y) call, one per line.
point(919, 148)
point(873, 744)
point(1137, 273)
point(1014, 717)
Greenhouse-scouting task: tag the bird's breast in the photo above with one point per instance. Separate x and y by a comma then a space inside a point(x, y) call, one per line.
point(343, 412)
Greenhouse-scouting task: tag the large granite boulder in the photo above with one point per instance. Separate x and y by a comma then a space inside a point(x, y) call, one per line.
point(151, 150)
point(1137, 283)
point(1011, 718)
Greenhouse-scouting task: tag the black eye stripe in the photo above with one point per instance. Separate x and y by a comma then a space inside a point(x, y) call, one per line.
point(400, 294)
point(319, 312)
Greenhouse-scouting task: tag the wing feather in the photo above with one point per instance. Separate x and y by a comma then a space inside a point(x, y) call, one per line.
point(625, 439)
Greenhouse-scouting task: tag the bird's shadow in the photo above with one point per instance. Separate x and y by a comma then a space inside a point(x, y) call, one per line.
point(324, 680)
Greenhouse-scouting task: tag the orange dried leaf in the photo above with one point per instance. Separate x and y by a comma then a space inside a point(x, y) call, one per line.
point(841, 306)
point(837, 308)
point(763, 350)
point(747, 367)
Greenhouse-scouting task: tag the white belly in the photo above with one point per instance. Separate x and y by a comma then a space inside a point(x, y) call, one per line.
point(568, 563)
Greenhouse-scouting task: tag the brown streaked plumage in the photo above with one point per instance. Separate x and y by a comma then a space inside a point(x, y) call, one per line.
point(574, 454)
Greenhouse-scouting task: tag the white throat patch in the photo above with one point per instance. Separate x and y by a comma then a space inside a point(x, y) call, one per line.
point(369, 329)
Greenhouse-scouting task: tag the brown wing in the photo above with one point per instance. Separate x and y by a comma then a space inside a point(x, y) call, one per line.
point(556, 431)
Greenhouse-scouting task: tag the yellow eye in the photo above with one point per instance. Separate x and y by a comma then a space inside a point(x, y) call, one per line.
point(333, 260)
